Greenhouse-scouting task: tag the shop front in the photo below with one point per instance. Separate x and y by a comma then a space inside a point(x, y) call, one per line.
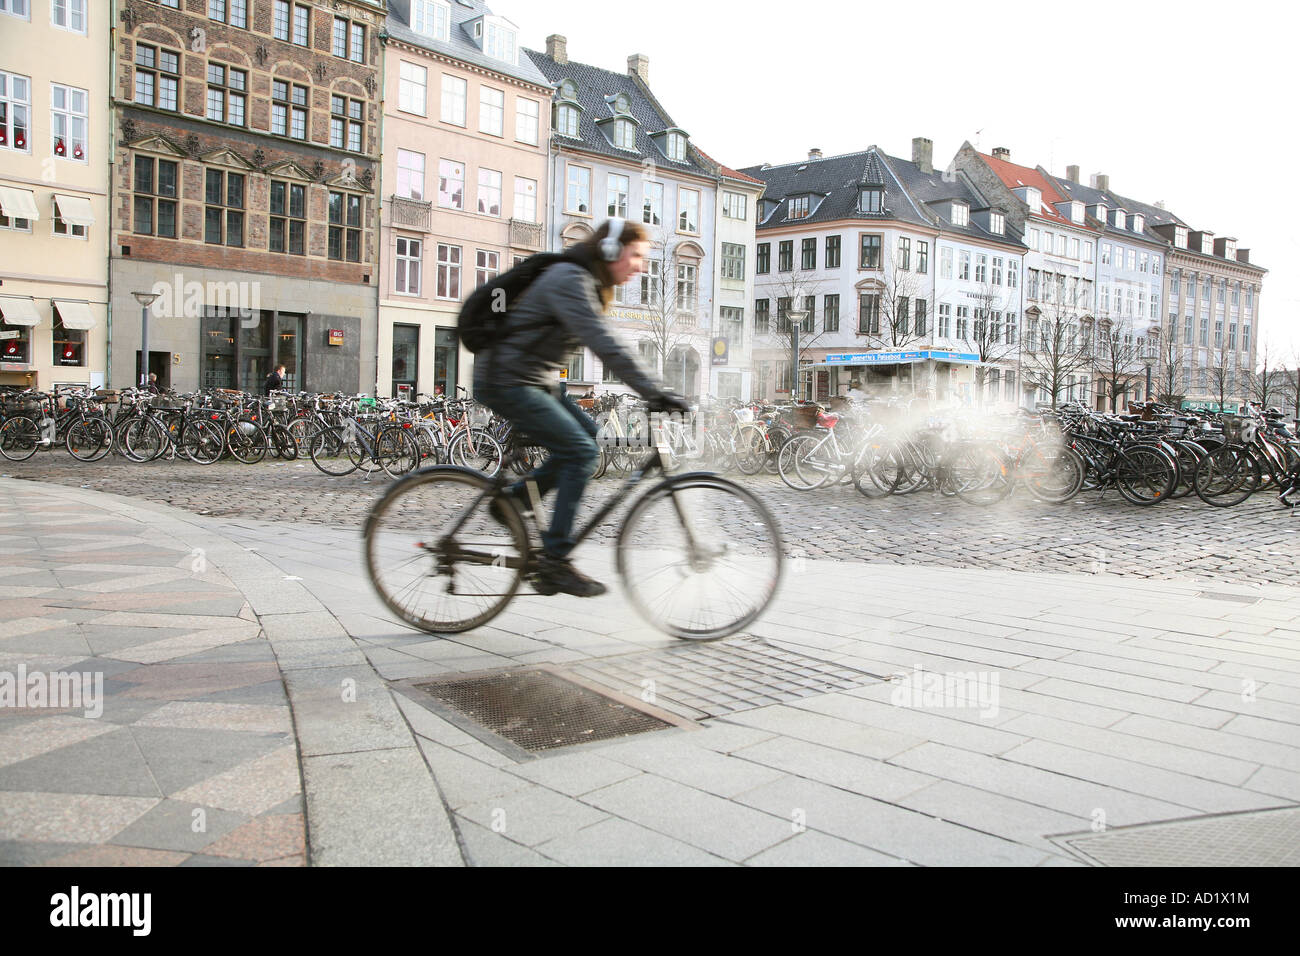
point(938, 375)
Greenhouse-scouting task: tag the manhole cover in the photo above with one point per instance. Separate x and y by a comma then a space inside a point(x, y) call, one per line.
point(538, 710)
point(1224, 596)
point(1258, 838)
point(710, 680)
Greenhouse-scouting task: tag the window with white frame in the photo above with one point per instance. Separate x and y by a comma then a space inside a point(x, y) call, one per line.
point(1013, 273)
point(944, 328)
point(500, 42)
point(566, 121)
point(1011, 328)
point(527, 113)
point(410, 174)
point(1105, 253)
point(68, 122)
point(577, 196)
point(686, 298)
point(410, 257)
point(1060, 244)
point(624, 134)
point(677, 147)
point(996, 276)
point(797, 208)
point(454, 92)
point(963, 322)
point(981, 268)
point(525, 199)
point(448, 271)
point(945, 263)
point(487, 266)
point(431, 18)
point(62, 227)
point(616, 193)
point(1087, 251)
point(688, 210)
point(1074, 248)
point(69, 15)
point(652, 207)
point(451, 184)
point(1132, 259)
point(963, 271)
point(227, 94)
point(491, 111)
point(489, 192)
point(233, 12)
point(157, 76)
point(997, 223)
point(412, 88)
point(960, 214)
point(288, 109)
point(733, 260)
point(735, 205)
point(652, 284)
point(347, 123)
point(16, 8)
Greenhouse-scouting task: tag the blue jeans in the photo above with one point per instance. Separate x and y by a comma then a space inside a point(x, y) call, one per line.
point(557, 424)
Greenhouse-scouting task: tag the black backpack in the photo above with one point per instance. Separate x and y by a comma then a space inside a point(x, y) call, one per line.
point(484, 313)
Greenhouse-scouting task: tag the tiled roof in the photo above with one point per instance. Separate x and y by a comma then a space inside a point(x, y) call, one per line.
point(460, 45)
point(1152, 215)
point(727, 172)
point(594, 85)
point(1014, 177)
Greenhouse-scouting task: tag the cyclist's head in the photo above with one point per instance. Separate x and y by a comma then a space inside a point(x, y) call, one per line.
point(634, 245)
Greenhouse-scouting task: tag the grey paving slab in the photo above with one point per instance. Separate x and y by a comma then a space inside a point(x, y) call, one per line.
point(532, 815)
point(173, 825)
point(268, 692)
point(811, 848)
point(1262, 729)
point(343, 709)
point(482, 847)
point(1125, 702)
point(200, 859)
point(109, 765)
point(23, 853)
point(916, 724)
point(179, 757)
point(462, 780)
point(844, 735)
point(1278, 783)
point(846, 771)
point(674, 758)
point(1222, 742)
point(576, 773)
point(998, 814)
point(615, 842)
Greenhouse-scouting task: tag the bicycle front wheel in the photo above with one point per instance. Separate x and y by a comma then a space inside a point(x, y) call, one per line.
point(700, 557)
point(437, 558)
point(19, 439)
point(247, 442)
point(89, 439)
point(1226, 476)
point(203, 441)
point(329, 452)
point(476, 449)
point(981, 475)
point(1144, 475)
point(396, 451)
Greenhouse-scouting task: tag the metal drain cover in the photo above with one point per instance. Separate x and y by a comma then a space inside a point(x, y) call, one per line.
point(539, 710)
point(1257, 838)
point(710, 680)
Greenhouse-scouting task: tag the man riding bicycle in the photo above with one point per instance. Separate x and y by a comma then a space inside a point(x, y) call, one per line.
point(517, 378)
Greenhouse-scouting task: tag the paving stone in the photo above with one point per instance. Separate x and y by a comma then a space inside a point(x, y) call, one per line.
point(485, 848)
point(575, 773)
point(811, 848)
point(673, 757)
point(532, 815)
point(615, 842)
point(171, 826)
point(109, 765)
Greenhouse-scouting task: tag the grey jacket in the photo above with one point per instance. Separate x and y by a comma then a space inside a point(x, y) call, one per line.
point(558, 313)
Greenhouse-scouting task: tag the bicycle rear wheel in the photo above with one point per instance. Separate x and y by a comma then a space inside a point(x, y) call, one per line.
point(1144, 475)
point(19, 439)
point(89, 439)
point(203, 441)
point(329, 452)
point(437, 558)
point(247, 442)
point(1226, 476)
point(794, 467)
point(980, 475)
point(1051, 472)
point(396, 451)
point(700, 557)
point(476, 449)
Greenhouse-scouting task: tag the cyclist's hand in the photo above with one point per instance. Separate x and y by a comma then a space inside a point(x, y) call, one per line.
point(668, 402)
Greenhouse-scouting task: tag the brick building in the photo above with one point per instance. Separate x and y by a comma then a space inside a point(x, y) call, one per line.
point(244, 190)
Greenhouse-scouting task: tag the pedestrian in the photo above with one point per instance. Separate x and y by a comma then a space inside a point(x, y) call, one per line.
point(153, 384)
point(274, 381)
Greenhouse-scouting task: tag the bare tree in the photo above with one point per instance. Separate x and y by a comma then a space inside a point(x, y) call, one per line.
point(988, 334)
point(670, 318)
point(1056, 348)
point(1264, 383)
point(795, 292)
point(895, 325)
point(1222, 369)
point(1171, 380)
point(1119, 353)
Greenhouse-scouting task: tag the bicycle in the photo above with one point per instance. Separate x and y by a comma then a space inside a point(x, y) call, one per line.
point(440, 560)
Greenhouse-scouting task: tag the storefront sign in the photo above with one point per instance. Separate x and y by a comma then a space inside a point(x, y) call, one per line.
point(335, 336)
point(893, 358)
point(719, 351)
point(15, 367)
point(9, 334)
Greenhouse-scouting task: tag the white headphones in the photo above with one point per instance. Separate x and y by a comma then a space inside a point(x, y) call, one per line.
point(611, 247)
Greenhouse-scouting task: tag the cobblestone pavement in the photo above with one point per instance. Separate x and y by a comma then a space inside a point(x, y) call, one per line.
point(1255, 541)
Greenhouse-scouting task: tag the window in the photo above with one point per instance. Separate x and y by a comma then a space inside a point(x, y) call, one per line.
point(1232, 336)
point(686, 301)
point(578, 196)
point(901, 317)
point(1205, 330)
point(869, 257)
point(347, 123)
point(234, 12)
point(345, 226)
point(688, 210)
point(652, 209)
point(500, 42)
point(920, 316)
point(945, 263)
point(1132, 259)
point(981, 268)
point(763, 263)
point(1245, 337)
point(69, 14)
point(280, 20)
point(487, 266)
point(1060, 244)
point(677, 147)
point(288, 218)
point(735, 205)
point(1087, 252)
point(491, 111)
point(454, 92)
point(922, 257)
point(301, 24)
point(410, 174)
point(430, 17)
point(905, 254)
point(785, 256)
point(733, 260)
point(451, 184)
point(945, 321)
point(1142, 262)
point(526, 120)
point(963, 322)
point(448, 271)
point(762, 316)
point(624, 134)
point(1031, 288)
point(1074, 248)
point(227, 92)
point(652, 286)
point(798, 208)
point(810, 311)
point(733, 323)
point(616, 193)
point(566, 121)
point(964, 271)
point(489, 192)
point(68, 122)
point(410, 257)
point(960, 214)
point(17, 8)
point(574, 373)
point(357, 46)
point(831, 313)
point(997, 223)
point(223, 213)
point(339, 46)
point(288, 109)
point(783, 307)
point(1013, 273)
point(157, 77)
point(61, 227)
point(69, 344)
point(871, 200)
point(808, 254)
point(154, 205)
point(412, 88)
point(868, 314)
point(832, 252)
point(15, 111)
point(997, 270)
point(525, 199)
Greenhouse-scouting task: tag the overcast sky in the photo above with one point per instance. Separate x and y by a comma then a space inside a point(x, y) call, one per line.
point(1191, 103)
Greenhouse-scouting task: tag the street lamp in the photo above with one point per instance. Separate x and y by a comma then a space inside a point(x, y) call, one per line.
point(796, 320)
point(1148, 361)
point(145, 299)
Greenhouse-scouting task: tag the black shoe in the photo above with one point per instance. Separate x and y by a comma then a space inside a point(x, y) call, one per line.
point(497, 507)
point(559, 575)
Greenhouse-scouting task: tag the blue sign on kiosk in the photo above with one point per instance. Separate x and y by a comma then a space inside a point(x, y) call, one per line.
point(892, 358)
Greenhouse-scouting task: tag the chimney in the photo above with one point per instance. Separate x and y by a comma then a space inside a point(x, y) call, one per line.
point(1101, 181)
point(814, 153)
point(1072, 173)
point(923, 154)
point(638, 64)
point(557, 48)
point(1002, 153)
point(1160, 204)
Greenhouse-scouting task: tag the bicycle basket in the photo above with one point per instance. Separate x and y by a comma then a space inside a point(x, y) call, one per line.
point(366, 403)
point(1232, 429)
point(744, 414)
point(480, 416)
point(805, 416)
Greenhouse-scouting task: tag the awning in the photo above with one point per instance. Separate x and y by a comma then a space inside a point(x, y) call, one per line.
point(19, 310)
point(74, 210)
point(75, 314)
point(18, 203)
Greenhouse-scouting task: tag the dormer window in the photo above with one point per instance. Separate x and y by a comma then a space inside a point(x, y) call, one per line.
point(871, 200)
point(500, 42)
point(1139, 223)
point(1119, 218)
point(676, 147)
point(960, 214)
point(566, 121)
point(568, 90)
point(624, 134)
point(798, 208)
point(1076, 212)
point(431, 18)
point(997, 223)
point(1207, 244)
point(1033, 199)
point(620, 104)
point(1099, 213)
point(1180, 237)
